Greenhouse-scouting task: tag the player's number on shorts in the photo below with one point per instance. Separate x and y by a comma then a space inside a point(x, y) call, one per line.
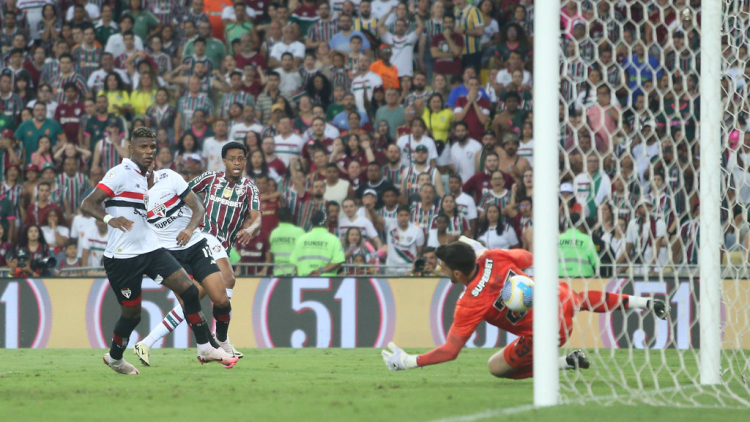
point(207, 254)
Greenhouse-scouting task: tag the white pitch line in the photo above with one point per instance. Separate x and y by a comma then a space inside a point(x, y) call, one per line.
point(528, 407)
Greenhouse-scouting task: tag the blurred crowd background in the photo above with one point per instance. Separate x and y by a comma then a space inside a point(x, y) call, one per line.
point(364, 108)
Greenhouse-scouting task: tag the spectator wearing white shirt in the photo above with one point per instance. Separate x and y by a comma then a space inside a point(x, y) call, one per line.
point(408, 144)
point(212, 146)
point(402, 43)
point(495, 233)
point(364, 85)
point(465, 203)
point(405, 241)
point(505, 76)
point(381, 8)
point(288, 143)
point(352, 219)
point(290, 79)
point(116, 45)
point(464, 151)
point(288, 44)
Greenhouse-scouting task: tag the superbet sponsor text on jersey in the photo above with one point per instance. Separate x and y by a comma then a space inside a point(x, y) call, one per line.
point(227, 204)
point(168, 214)
point(127, 189)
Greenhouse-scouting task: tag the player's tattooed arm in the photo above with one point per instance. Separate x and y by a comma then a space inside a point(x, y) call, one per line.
point(199, 211)
point(93, 206)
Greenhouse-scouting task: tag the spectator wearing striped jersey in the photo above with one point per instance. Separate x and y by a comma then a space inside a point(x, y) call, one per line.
point(323, 29)
point(187, 105)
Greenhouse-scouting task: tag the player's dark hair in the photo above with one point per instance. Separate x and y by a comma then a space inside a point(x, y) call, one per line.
point(142, 132)
point(331, 165)
point(391, 188)
point(66, 55)
point(403, 208)
point(67, 86)
point(284, 214)
point(44, 183)
point(199, 40)
point(128, 32)
point(273, 73)
point(427, 250)
point(71, 242)
point(286, 53)
point(458, 257)
point(230, 146)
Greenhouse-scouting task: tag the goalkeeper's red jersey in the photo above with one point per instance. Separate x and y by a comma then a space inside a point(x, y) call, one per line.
point(481, 300)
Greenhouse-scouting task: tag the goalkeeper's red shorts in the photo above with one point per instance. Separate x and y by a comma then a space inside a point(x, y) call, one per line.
point(520, 352)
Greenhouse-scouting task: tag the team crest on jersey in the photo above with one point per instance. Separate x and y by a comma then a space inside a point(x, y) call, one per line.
point(160, 210)
point(217, 248)
point(241, 189)
point(126, 293)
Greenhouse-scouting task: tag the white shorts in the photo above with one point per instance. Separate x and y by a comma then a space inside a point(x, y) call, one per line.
point(217, 250)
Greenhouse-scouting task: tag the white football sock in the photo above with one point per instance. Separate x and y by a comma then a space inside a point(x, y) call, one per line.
point(638, 302)
point(174, 318)
point(563, 362)
point(205, 347)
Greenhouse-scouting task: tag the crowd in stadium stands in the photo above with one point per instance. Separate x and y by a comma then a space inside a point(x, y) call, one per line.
point(358, 107)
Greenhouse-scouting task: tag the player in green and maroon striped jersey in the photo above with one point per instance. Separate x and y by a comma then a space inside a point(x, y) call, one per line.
point(232, 208)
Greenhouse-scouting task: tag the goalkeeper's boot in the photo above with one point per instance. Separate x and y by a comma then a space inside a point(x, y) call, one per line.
point(660, 308)
point(120, 366)
point(577, 360)
point(143, 352)
point(217, 355)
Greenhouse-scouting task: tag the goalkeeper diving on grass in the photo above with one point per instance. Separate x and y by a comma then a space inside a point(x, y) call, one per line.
point(485, 273)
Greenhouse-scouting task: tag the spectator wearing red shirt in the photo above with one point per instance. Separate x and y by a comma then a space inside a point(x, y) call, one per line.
point(473, 108)
point(42, 206)
point(481, 180)
point(446, 49)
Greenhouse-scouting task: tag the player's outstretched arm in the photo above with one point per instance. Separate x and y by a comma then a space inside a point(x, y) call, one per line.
point(93, 206)
point(396, 359)
point(199, 211)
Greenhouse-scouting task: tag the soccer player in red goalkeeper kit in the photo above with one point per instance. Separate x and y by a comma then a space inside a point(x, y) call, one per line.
point(484, 278)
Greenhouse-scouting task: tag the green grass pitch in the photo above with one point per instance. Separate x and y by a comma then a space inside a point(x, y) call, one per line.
point(290, 385)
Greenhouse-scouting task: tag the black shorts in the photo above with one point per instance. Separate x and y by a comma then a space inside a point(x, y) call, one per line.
point(126, 275)
point(197, 260)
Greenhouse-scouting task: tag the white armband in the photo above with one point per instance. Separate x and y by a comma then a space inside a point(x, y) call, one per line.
point(106, 218)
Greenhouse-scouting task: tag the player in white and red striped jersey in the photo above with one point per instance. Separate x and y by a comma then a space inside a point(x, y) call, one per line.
point(174, 214)
point(133, 250)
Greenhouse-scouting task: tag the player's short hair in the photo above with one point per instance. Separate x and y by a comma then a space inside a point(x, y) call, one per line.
point(142, 132)
point(331, 165)
point(458, 257)
point(355, 37)
point(66, 56)
point(128, 32)
point(71, 242)
point(273, 73)
point(199, 40)
point(285, 215)
point(402, 208)
point(236, 73)
point(16, 51)
point(230, 146)
point(428, 249)
point(44, 183)
point(42, 103)
point(286, 53)
point(391, 188)
point(67, 86)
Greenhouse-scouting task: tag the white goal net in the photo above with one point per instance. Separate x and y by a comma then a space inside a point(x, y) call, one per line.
point(630, 149)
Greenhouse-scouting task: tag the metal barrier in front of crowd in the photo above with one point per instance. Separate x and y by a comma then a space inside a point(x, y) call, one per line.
point(728, 271)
